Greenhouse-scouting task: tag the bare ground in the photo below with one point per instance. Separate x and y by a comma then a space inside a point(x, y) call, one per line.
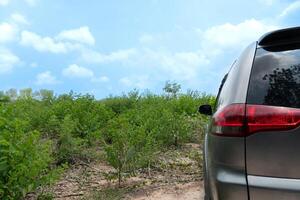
point(187, 191)
point(175, 175)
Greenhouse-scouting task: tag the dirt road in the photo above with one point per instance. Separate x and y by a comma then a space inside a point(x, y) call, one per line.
point(189, 191)
point(177, 174)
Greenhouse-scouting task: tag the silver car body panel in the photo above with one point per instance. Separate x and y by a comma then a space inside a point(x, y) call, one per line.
point(225, 156)
point(226, 164)
point(270, 188)
point(273, 164)
point(274, 154)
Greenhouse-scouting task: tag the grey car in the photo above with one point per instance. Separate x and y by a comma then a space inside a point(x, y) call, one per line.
point(252, 145)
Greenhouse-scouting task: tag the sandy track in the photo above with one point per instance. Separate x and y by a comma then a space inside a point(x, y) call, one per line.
point(176, 175)
point(189, 191)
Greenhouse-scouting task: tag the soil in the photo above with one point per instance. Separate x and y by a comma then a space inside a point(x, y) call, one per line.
point(187, 191)
point(175, 175)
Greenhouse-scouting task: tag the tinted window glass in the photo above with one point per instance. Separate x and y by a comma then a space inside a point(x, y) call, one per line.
point(224, 90)
point(235, 87)
point(275, 78)
point(220, 89)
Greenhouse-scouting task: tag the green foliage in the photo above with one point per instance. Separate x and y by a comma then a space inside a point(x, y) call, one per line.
point(26, 93)
point(24, 160)
point(148, 124)
point(12, 94)
point(126, 144)
point(4, 97)
point(68, 146)
point(40, 131)
point(172, 89)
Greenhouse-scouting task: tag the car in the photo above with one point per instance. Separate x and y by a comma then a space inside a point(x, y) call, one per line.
point(252, 143)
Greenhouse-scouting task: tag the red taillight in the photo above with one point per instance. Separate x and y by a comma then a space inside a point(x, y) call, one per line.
point(229, 121)
point(239, 120)
point(268, 118)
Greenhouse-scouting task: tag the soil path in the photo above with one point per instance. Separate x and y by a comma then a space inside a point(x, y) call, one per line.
point(189, 191)
point(176, 175)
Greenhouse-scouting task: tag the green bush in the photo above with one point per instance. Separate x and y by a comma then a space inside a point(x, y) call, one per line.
point(69, 147)
point(127, 145)
point(24, 160)
point(39, 131)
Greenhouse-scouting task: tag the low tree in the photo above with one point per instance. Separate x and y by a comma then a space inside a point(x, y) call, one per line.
point(126, 145)
point(172, 89)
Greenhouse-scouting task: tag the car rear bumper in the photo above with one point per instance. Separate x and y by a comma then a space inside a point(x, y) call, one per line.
point(229, 185)
point(270, 188)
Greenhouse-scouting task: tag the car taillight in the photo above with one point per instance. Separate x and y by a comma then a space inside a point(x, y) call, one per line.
point(229, 121)
point(268, 118)
point(238, 120)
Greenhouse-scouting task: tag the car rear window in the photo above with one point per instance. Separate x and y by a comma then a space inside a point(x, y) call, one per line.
point(275, 78)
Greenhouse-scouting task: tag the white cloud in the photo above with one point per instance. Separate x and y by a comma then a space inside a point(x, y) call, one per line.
point(96, 57)
point(268, 2)
point(46, 78)
point(31, 2)
point(33, 65)
point(43, 44)
point(8, 32)
point(81, 35)
point(182, 65)
point(4, 2)
point(77, 72)
point(7, 61)
point(126, 81)
point(19, 19)
point(161, 61)
point(100, 79)
point(140, 82)
point(146, 39)
point(290, 9)
point(235, 35)
point(158, 60)
point(179, 65)
point(64, 42)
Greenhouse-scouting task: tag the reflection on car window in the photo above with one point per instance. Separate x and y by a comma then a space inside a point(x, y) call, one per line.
point(275, 79)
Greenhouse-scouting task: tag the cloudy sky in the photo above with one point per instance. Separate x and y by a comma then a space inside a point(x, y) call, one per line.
point(109, 47)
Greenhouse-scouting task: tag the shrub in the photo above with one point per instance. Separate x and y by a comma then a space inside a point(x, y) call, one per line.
point(126, 145)
point(39, 129)
point(24, 160)
point(69, 147)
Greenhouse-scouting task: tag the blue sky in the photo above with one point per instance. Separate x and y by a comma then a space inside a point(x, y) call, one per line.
point(109, 47)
